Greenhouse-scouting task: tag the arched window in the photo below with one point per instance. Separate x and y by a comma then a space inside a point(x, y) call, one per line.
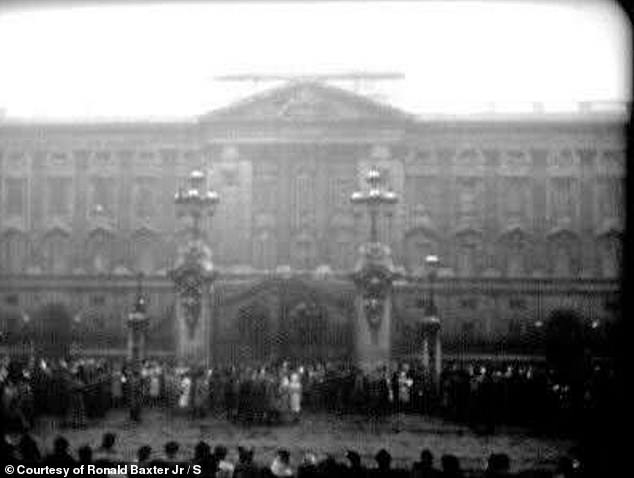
point(564, 255)
point(514, 247)
point(468, 254)
point(418, 245)
point(145, 252)
point(57, 253)
point(264, 254)
point(610, 251)
point(14, 252)
point(100, 250)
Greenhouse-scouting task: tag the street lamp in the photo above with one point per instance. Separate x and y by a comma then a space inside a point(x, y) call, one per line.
point(432, 263)
point(374, 198)
point(194, 273)
point(194, 202)
point(137, 325)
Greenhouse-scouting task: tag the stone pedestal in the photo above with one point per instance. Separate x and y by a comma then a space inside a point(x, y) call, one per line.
point(193, 278)
point(431, 348)
point(373, 278)
point(137, 325)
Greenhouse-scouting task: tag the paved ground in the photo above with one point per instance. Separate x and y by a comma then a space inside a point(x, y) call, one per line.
point(404, 436)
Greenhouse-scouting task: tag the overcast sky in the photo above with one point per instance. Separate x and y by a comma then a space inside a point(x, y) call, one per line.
point(160, 60)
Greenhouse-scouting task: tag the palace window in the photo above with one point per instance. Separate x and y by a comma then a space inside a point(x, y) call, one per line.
point(103, 197)
point(470, 303)
point(609, 198)
point(563, 199)
point(15, 196)
point(145, 205)
point(59, 195)
point(517, 304)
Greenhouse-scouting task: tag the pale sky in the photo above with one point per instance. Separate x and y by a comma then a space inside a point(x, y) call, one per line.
point(160, 60)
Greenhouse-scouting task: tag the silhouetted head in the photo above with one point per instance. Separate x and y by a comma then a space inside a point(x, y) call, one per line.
point(60, 445)
point(108, 440)
point(220, 452)
point(354, 458)
point(383, 459)
point(28, 448)
point(202, 451)
point(85, 454)
point(498, 463)
point(143, 453)
point(245, 455)
point(426, 458)
point(450, 464)
point(171, 448)
point(285, 456)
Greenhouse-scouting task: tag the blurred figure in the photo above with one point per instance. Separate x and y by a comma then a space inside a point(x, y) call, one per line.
point(84, 453)
point(107, 454)
point(384, 462)
point(450, 467)
point(355, 469)
point(498, 466)
point(425, 467)
point(281, 466)
point(28, 449)
point(60, 455)
point(308, 466)
point(295, 392)
point(225, 467)
point(245, 468)
point(204, 458)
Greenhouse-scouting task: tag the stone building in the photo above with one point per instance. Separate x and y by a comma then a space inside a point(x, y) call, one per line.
point(525, 212)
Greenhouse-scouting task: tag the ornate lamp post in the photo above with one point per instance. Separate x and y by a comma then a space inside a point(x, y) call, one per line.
point(194, 272)
point(373, 277)
point(137, 326)
point(375, 198)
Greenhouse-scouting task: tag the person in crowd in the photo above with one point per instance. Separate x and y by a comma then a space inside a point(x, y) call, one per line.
point(329, 467)
point(355, 468)
point(107, 453)
point(308, 466)
point(245, 468)
point(450, 466)
point(143, 454)
point(295, 393)
point(28, 449)
point(281, 465)
point(171, 450)
point(383, 465)
point(425, 467)
point(116, 389)
point(84, 454)
point(154, 391)
point(225, 467)
point(200, 395)
point(498, 466)
point(60, 456)
point(204, 459)
point(184, 399)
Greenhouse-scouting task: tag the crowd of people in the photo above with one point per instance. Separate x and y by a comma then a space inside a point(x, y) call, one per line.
point(206, 462)
point(481, 394)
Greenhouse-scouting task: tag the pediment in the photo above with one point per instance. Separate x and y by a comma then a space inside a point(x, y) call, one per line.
point(307, 102)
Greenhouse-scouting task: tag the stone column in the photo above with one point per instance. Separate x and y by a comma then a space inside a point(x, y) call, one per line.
point(373, 303)
point(438, 360)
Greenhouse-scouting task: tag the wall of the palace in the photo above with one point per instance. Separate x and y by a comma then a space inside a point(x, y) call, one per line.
point(526, 219)
point(259, 316)
point(518, 200)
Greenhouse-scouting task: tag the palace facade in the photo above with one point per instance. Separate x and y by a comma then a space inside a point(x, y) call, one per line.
point(525, 212)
